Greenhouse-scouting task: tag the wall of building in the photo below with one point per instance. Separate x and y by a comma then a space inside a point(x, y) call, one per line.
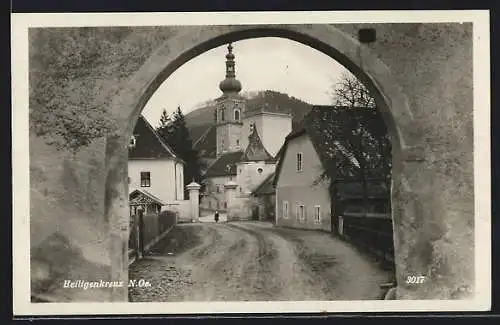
point(215, 196)
point(179, 170)
point(228, 137)
point(166, 182)
point(299, 187)
point(183, 210)
point(248, 176)
point(309, 197)
point(311, 165)
point(272, 129)
point(275, 128)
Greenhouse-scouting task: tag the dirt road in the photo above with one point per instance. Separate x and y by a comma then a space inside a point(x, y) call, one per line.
point(254, 261)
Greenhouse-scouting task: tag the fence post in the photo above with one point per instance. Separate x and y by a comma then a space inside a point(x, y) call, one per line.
point(140, 233)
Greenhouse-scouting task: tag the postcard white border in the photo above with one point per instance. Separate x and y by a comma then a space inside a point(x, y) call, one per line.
point(20, 144)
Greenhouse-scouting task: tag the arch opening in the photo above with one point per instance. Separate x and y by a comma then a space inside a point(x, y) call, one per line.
point(385, 102)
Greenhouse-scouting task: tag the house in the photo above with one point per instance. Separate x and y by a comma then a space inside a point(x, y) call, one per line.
point(154, 170)
point(265, 200)
point(314, 157)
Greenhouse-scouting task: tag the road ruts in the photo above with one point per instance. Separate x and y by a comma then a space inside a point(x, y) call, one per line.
point(254, 261)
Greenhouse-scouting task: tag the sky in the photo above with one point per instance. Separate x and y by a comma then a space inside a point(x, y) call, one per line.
point(261, 64)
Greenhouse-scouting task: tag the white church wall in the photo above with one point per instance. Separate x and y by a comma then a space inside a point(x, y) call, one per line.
point(251, 174)
point(275, 128)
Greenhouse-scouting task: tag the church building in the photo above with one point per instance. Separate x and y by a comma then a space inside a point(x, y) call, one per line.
point(246, 142)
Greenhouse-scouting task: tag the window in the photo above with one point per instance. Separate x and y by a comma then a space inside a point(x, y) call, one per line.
point(217, 188)
point(236, 114)
point(128, 180)
point(317, 214)
point(285, 209)
point(301, 214)
point(299, 162)
point(237, 142)
point(259, 170)
point(225, 205)
point(209, 204)
point(222, 114)
point(145, 179)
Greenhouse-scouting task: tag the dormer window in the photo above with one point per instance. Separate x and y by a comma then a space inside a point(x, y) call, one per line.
point(132, 142)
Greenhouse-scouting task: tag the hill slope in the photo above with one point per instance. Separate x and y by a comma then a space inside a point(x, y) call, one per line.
point(200, 119)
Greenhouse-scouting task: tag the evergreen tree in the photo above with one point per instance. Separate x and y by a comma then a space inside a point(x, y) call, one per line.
point(164, 119)
point(176, 134)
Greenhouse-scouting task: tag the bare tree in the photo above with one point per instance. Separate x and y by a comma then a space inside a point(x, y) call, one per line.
point(364, 133)
point(351, 92)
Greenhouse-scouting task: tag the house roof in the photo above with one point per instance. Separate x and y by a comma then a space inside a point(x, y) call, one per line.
point(327, 128)
point(206, 143)
point(225, 165)
point(255, 150)
point(148, 143)
point(141, 196)
point(266, 187)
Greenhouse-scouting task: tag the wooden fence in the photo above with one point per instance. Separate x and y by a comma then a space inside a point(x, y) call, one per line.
point(147, 230)
point(372, 234)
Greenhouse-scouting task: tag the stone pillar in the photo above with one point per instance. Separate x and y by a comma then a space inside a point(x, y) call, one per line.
point(230, 190)
point(194, 198)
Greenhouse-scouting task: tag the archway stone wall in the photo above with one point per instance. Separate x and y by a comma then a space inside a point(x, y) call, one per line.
point(422, 78)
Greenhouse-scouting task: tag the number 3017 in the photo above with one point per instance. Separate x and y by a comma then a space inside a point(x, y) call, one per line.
point(412, 279)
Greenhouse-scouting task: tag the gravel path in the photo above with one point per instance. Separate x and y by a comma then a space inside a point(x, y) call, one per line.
point(254, 261)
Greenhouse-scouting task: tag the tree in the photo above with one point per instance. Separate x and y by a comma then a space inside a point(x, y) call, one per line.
point(164, 119)
point(364, 133)
point(350, 92)
point(176, 134)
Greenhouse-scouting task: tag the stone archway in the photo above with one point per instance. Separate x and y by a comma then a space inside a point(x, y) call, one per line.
point(421, 76)
point(420, 236)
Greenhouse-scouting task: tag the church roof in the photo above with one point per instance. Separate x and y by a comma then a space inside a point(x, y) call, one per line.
point(225, 165)
point(148, 143)
point(255, 150)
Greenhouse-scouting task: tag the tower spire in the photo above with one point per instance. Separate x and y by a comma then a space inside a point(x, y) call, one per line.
point(230, 84)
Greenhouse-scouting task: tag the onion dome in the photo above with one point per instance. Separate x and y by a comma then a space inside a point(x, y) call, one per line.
point(230, 84)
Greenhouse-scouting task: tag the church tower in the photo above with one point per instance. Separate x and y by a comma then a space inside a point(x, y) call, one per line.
point(230, 108)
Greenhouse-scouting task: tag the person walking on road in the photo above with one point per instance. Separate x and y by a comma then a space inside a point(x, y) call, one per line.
point(216, 216)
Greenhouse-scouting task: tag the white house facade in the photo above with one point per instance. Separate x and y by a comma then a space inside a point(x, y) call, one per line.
point(153, 166)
